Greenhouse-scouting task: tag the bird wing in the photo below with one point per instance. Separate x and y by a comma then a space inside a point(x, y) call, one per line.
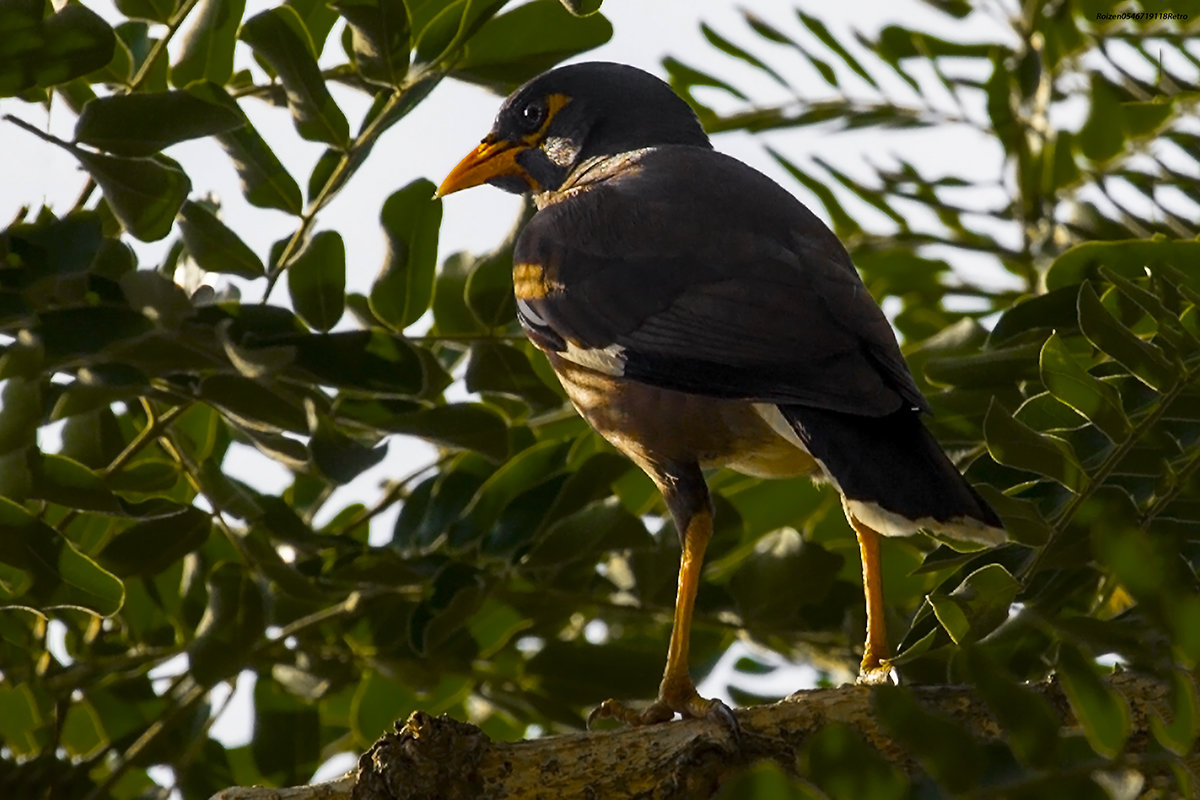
point(689, 270)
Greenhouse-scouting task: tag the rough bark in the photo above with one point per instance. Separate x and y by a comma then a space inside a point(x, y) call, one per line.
point(438, 757)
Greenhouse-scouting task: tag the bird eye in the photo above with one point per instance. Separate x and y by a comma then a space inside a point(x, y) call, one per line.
point(533, 115)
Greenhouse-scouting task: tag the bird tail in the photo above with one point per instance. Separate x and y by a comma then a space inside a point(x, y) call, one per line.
point(893, 475)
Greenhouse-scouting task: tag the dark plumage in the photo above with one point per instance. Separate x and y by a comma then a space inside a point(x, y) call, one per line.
point(698, 314)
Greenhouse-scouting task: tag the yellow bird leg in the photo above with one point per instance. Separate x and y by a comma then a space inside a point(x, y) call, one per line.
point(688, 500)
point(874, 667)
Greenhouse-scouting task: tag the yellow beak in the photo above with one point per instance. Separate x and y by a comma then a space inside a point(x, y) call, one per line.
point(493, 158)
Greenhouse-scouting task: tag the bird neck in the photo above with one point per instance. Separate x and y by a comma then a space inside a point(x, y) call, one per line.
point(591, 171)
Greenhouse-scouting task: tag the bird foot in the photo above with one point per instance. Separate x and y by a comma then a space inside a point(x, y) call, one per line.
point(876, 674)
point(689, 706)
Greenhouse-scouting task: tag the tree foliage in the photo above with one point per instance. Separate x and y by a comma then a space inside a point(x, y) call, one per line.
point(1072, 394)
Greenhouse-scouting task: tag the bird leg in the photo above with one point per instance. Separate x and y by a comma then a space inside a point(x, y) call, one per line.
point(688, 500)
point(875, 668)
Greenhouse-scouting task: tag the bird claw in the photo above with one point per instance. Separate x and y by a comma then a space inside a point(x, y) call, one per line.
point(614, 709)
point(877, 675)
point(661, 710)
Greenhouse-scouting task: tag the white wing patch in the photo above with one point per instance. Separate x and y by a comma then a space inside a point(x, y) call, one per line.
point(608, 360)
point(888, 523)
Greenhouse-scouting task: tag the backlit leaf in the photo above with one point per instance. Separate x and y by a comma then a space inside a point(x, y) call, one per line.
point(145, 123)
point(280, 38)
point(1017, 445)
point(206, 52)
point(1079, 389)
point(215, 246)
point(317, 280)
point(411, 218)
point(1107, 333)
point(1103, 714)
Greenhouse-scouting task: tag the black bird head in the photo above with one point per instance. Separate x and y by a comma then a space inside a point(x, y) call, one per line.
point(571, 114)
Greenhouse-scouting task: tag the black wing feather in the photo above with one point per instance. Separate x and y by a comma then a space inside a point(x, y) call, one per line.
point(712, 279)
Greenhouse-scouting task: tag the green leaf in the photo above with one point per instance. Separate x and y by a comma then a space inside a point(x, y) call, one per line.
point(206, 53)
point(322, 173)
point(729, 48)
point(819, 30)
point(45, 52)
point(1030, 726)
point(411, 218)
point(340, 458)
point(380, 35)
point(1022, 520)
point(1103, 714)
point(598, 527)
point(279, 37)
point(317, 280)
point(524, 470)
point(489, 290)
point(451, 316)
point(55, 246)
point(1106, 332)
point(151, 545)
point(1129, 259)
point(947, 751)
point(457, 594)
point(20, 414)
point(1102, 136)
point(1072, 384)
point(473, 426)
point(253, 404)
point(318, 19)
point(40, 569)
point(783, 573)
point(985, 368)
point(83, 733)
point(496, 367)
point(845, 767)
point(153, 10)
point(214, 246)
point(371, 361)
point(582, 8)
point(439, 27)
point(265, 181)
point(234, 621)
point(67, 482)
point(978, 605)
point(683, 78)
point(25, 724)
point(144, 194)
point(1017, 445)
point(70, 332)
point(287, 735)
point(1179, 735)
point(378, 702)
point(145, 123)
point(766, 780)
point(433, 506)
point(951, 617)
point(1055, 309)
point(514, 47)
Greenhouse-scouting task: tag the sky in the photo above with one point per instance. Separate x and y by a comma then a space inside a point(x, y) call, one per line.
point(449, 124)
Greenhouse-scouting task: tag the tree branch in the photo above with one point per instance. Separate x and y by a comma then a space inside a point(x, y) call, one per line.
point(441, 757)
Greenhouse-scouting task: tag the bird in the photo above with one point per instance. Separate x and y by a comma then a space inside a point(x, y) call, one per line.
point(698, 315)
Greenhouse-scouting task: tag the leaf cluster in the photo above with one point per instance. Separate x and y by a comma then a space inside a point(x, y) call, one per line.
point(528, 574)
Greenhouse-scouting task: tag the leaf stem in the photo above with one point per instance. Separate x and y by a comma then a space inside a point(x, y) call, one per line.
point(347, 165)
point(160, 46)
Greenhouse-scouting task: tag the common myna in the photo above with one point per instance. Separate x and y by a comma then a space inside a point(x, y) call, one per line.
point(698, 315)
